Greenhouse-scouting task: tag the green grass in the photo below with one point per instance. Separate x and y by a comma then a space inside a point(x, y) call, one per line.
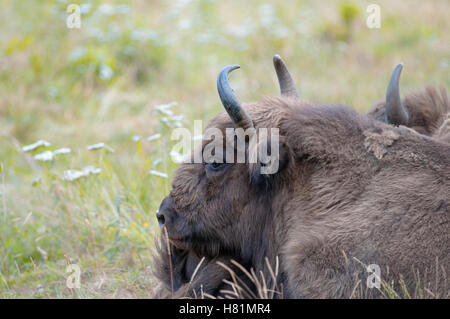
point(101, 83)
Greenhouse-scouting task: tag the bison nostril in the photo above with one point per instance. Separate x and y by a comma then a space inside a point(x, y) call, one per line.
point(161, 218)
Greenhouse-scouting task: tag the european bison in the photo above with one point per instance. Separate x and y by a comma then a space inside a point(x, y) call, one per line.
point(183, 273)
point(424, 111)
point(350, 191)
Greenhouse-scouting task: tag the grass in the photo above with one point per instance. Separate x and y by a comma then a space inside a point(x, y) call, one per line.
point(101, 83)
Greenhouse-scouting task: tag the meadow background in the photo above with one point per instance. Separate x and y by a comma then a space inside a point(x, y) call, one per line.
point(137, 69)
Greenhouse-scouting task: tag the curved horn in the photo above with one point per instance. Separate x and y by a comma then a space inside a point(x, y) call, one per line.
point(396, 112)
point(229, 100)
point(287, 85)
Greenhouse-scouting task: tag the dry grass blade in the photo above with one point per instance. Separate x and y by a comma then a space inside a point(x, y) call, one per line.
point(273, 274)
point(238, 292)
point(236, 278)
point(207, 295)
point(263, 291)
point(354, 289)
point(242, 268)
point(170, 260)
point(196, 269)
point(264, 285)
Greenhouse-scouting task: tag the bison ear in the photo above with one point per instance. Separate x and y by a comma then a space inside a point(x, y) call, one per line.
point(273, 157)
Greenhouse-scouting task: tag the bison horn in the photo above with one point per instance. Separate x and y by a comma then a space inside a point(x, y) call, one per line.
point(396, 112)
point(287, 85)
point(229, 100)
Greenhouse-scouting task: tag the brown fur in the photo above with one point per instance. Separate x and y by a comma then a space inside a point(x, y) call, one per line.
point(350, 188)
point(182, 273)
point(443, 132)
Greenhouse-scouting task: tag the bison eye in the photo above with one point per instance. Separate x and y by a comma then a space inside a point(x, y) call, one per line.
point(214, 166)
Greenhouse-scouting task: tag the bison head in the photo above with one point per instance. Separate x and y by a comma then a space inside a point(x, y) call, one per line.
point(216, 198)
point(422, 111)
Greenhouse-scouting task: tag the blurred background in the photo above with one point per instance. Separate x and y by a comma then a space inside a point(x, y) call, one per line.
point(103, 99)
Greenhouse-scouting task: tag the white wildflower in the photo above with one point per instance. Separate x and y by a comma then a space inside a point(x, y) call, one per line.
point(35, 145)
point(165, 108)
point(49, 155)
point(45, 156)
point(177, 157)
point(106, 9)
point(85, 8)
point(184, 24)
point(63, 150)
point(163, 175)
point(173, 120)
point(100, 146)
point(73, 174)
point(105, 72)
point(153, 137)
